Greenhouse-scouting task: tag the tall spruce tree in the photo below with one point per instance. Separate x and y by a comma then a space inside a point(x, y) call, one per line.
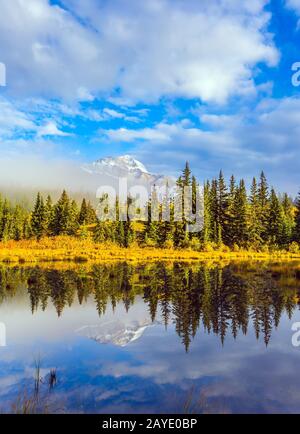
point(206, 235)
point(73, 224)
point(297, 220)
point(83, 213)
point(165, 225)
point(179, 235)
point(49, 213)
point(263, 201)
point(186, 175)
point(222, 210)
point(214, 211)
point(232, 211)
point(39, 218)
point(241, 234)
point(152, 225)
point(275, 220)
point(126, 229)
point(19, 218)
point(87, 214)
point(61, 217)
point(288, 220)
point(255, 228)
point(6, 221)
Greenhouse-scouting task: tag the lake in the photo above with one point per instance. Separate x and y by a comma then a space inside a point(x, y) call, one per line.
point(152, 338)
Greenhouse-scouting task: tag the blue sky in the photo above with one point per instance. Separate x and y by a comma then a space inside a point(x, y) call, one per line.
point(165, 80)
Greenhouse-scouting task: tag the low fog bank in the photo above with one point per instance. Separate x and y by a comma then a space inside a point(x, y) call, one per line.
point(22, 178)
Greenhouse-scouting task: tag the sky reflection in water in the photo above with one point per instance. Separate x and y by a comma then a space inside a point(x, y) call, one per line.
point(153, 338)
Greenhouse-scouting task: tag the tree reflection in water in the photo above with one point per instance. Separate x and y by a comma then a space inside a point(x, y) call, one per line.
point(219, 298)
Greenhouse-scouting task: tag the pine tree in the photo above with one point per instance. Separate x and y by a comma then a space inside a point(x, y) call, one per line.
point(193, 211)
point(263, 201)
point(214, 211)
point(240, 235)
point(19, 217)
point(180, 235)
point(231, 211)
point(275, 219)
point(91, 214)
point(6, 222)
point(186, 178)
point(151, 231)
point(61, 217)
point(38, 218)
point(207, 229)
point(100, 233)
point(83, 213)
point(263, 191)
point(120, 233)
point(126, 232)
point(222, 210)
point(288, 221)
point(27, 231)
point(165, 226)
point(195, 186)
point(73, 224)
point(87, 214)
point(49, 213)
point(297, 220)
point(255, 227)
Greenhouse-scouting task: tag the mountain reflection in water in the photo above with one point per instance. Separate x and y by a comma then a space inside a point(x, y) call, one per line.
point(222, 300)
point(138, 338)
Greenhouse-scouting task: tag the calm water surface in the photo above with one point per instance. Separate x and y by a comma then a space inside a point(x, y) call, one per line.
point(151, 338)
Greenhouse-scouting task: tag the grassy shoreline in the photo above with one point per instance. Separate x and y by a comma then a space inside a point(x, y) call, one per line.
point(66, 249)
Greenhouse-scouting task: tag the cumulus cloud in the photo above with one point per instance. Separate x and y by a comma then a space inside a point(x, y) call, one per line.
point(65, 59)
point(13, 120)
point(17, 122)
point(160, 133)
point(294, 5)
point(51, 129)
point(114, 114)
point(266, 138)
point(146, 50)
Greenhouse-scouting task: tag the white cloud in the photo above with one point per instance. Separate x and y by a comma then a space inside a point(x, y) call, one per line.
point(84, 95)
point(266, 138)
point(13, 120)
point(159, 134)
point(145, 49)
point(51, 129)
point(114, 114)
point(18, 122)
point(293, 4)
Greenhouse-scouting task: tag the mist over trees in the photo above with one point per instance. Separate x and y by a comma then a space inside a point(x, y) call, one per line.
point(234, 218)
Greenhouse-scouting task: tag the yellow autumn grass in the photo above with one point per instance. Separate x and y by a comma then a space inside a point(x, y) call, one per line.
point(67, 249)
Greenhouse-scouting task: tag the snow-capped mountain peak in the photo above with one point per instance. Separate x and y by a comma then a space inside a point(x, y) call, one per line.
point(123, 163)
point(111, 169)
point(116, 332)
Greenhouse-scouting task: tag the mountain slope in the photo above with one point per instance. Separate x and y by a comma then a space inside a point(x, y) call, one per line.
point(127, 167)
